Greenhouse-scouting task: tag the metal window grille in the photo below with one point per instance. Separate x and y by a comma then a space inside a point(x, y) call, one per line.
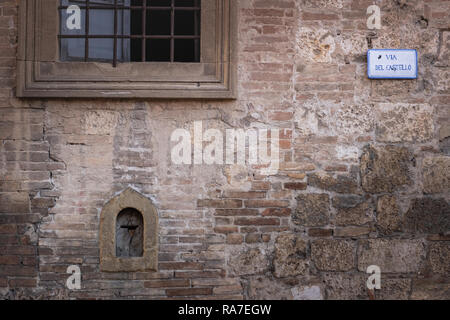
point(145, 7)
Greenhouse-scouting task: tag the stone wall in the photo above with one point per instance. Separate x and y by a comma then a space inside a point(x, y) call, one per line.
point(363, 179)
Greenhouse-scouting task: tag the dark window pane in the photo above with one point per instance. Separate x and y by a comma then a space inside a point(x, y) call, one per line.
point(158, 22)
point(123, 50)
point(136, 29)
point(185, 50)
point(101, 49)
point(159, 3)
point(136, 50)
point(72, 49)
point(184, 3)
point(94, 2)
point(158, 50)
point(185, 22)
point(101, 22)
point(136, 22)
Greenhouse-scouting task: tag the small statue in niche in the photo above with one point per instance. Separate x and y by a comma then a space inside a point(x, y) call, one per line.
point(129, 234)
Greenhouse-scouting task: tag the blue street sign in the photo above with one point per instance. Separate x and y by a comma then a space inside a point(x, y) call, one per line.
point(392, 64)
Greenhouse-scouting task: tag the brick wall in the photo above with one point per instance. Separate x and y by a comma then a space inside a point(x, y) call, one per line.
point(364, 177)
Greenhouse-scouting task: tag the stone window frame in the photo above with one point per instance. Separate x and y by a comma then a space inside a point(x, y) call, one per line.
point(40, 74)
point(109, 262)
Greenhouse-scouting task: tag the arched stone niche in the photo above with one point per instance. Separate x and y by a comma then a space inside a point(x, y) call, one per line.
point(122, 218)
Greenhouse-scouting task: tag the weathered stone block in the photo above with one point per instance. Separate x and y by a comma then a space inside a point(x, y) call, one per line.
point(310, 117)
point(268, 288)
point(12, 131)
point(320, 232)
point(444, 131)
point(389, 219)
point(262, 288)
point(439, 257)
point(444, 54)
point(333, 255)
point(307, 293)
point(99, 122)
point(14, 202)
point(252, 261)
point(436, 175)
point(431, 289)
point(427, 215)
point(340, 184)
point(404, 122)
point(353, 210)
point(391, 255)
point(355, 120)
point(352, 231)
point(393, 289)
point(384, 169)
point(444, 146)
point(322, 4)
point(290, 256)
point(346, 286)
point(312, 210)
point(316, 45)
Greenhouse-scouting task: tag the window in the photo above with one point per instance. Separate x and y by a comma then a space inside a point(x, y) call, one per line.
point(129, 233)
point(127, 48)
point(131, 31)
point(128, 236)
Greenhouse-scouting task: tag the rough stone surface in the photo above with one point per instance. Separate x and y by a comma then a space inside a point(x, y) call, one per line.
point(250, 262)
point(428, 215)
point(312, 210)
point(393, 289)
point(436, 175)
point(444, 54)
point(17, 202)
point(307, 293)
point(384, 169)
point(316, 45)
point(400, 256)
point(266, 288)
point(290, 256)
point(262, 288)
point(404, 122)
point(352, 232)
point(431, 289)
point(353, 210)
point(340, 184)
point(389, 218)
point(439, 257)
point(333, 255)
point(354, 287)
point(346, 286)
point(355, 120)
